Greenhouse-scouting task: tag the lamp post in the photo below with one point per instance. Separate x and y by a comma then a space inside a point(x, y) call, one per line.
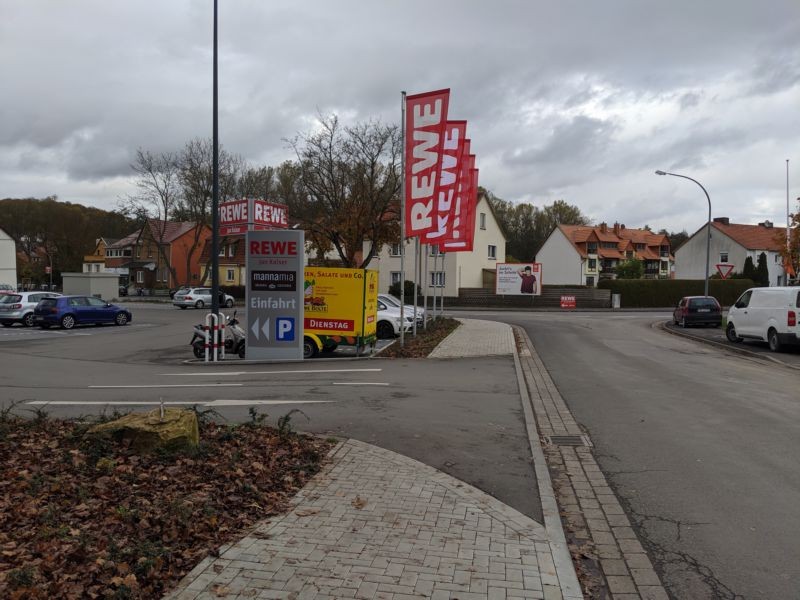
point(708, 239)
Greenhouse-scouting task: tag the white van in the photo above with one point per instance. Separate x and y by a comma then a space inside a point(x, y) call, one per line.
point(766, 314)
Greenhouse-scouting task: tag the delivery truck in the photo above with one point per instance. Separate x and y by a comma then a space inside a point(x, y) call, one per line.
point(340, 308)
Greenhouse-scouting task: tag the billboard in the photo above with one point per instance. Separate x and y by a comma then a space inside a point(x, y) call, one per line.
point(340, 302)
point(518, 279)
point(246, 214)
point(274, 294)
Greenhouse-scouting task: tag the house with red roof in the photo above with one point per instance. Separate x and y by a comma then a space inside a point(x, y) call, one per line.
point(731, 244)
point(585, 254)
point(162, 254)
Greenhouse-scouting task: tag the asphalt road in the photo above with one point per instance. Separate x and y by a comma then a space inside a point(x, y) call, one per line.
point(461, 416)
point(700, 445)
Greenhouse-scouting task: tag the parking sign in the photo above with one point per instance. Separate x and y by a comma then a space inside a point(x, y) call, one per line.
point(274, 295)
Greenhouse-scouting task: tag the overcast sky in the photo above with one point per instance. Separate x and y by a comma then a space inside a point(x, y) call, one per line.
point(579, 101)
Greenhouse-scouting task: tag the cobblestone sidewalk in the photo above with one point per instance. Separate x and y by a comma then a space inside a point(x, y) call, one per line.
point(476, 337)
point(376, 525)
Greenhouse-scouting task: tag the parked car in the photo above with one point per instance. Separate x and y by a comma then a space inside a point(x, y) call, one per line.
point(199, 297)
point(389, 321)
point(408, 309)
point(766, 314)
point(69, 311)
point(7, 288)
point(18, 308)
point(697, 310)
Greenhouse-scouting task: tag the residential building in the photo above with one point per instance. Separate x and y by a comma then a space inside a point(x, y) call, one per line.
point(96, 261)
point(8, 260)
point(583, 254)
point(163, 254)
point(732, 243)
point(455, 270)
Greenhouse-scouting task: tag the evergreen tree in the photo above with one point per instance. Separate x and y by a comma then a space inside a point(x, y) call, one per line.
point(749, 271)
point(762, 273)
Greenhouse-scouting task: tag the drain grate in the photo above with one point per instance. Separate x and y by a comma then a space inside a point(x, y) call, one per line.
point(568, 440)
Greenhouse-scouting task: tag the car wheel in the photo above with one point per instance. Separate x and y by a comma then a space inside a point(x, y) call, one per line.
point(229, 303)
point(774, 343)
point(730, 333)
point(683, 322)
point(67, 322)
point(121, 318)
point(385, 330)
point(198, 351)
point(309, 348)
point(199, 304)
point(27, 320)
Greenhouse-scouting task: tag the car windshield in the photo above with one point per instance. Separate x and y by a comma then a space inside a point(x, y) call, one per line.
point(704, 303)
point(183, 291)
point(48, 302)
point(390, 300)
point(10, 299)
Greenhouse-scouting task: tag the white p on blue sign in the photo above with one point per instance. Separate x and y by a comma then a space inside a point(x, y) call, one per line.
point(274, 295)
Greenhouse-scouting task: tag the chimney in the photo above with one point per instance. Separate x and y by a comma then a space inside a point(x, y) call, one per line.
point(722, 220)
point(767, 224)
point(603, 227)
point(616, 228)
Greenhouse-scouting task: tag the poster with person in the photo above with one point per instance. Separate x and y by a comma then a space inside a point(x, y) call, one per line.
point(518, 279)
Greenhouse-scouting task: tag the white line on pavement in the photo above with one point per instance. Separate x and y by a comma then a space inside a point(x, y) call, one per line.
point(165, 385)
point(357, 383)
point(228, 373)
point(176, 402)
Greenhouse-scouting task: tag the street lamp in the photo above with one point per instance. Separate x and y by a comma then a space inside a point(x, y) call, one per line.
point(708, 240)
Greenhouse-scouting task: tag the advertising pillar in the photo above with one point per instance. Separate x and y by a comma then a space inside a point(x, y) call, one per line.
point(274, 295)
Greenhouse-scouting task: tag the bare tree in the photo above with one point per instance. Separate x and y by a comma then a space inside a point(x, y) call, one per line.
point(348, 185)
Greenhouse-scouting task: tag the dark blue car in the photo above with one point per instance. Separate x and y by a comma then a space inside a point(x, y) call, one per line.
point(68, 311)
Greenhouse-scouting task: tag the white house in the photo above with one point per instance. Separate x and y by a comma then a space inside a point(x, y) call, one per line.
point(583, 255)
point(732, 243)
point(460, 270)
point(8, 260)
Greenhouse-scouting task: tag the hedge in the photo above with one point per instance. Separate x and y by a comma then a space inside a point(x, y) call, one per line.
point(657, 293)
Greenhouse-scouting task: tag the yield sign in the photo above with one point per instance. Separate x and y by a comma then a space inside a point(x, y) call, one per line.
point(724, 270)
point(264, 329)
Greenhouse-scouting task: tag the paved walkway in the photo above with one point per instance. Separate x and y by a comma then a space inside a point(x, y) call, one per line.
point(377, 525)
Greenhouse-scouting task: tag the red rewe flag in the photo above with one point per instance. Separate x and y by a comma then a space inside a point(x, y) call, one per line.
point(426, 115)
point(460, 236)
point(445, 202)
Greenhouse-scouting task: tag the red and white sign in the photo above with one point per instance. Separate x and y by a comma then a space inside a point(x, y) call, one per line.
point(462, 232)
point(724, 270)
point(568, 302)
point(249, 214)
point(445, 204)
point(426, 116)
point(47, 270)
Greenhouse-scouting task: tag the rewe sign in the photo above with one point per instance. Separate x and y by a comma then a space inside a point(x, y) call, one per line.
point(251, 214)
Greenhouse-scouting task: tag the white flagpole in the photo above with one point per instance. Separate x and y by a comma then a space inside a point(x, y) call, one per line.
point(417, 268)
point(444, 284)
point(425, 284)
point(402, 215)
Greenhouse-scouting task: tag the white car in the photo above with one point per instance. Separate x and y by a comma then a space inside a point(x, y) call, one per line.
point(766, 314)
point(18, 307)
point(408, 309)
point(389, 321)
point(198, 297)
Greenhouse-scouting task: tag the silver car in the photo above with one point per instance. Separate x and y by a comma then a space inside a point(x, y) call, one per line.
point(18, 307)
point(408, 309)
point(198, 297)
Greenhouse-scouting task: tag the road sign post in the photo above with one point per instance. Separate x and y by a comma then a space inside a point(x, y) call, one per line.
point(274, 295)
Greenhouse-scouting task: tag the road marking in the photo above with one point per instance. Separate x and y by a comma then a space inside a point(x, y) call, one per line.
point(173, 402)
point(357, 383)
point(228, 373)
point(264, 402)
point(165, 385)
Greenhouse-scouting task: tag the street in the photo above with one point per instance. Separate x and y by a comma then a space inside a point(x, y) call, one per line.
point(700, 446)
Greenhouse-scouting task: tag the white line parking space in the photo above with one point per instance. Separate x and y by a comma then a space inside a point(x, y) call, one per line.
point(294, 371)
point(163, 385)
point(212, 403)
point(358, 383)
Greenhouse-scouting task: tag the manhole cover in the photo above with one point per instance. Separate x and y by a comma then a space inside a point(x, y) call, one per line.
point(568, 440)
